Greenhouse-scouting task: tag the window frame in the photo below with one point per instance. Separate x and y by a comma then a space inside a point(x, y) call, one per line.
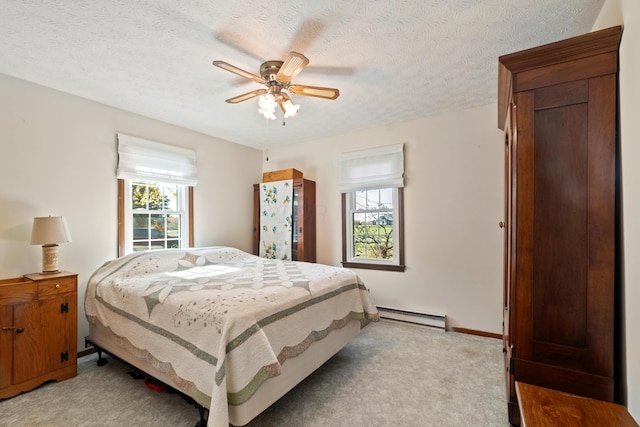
point(123, 193)
point(371, 263)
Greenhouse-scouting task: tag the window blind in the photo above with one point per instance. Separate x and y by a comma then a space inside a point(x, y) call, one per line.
point(152, 161)
point(381, 167)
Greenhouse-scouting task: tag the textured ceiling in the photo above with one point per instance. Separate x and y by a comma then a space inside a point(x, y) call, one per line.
point(392, 60)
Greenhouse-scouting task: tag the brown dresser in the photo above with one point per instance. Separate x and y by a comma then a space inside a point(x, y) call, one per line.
point(558, 107)
point(38, 331)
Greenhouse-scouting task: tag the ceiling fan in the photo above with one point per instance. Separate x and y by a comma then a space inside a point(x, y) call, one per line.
point(277, 76)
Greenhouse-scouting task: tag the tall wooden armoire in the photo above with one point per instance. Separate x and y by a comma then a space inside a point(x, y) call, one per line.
point(303, 238)
point(558, 106)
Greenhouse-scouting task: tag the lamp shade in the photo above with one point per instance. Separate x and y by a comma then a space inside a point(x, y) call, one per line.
point(49, 230)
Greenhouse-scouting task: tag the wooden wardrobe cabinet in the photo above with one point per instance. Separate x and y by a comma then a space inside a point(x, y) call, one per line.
point(303, 239)
point(558, 106)
point(38, 331)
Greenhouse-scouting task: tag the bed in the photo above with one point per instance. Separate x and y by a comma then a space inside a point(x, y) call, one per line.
point(230, 330)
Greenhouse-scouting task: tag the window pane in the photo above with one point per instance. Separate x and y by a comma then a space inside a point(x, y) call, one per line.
point(158, 226)
point(139, 195)
point(169, 196)
point(372, 222)
point(386, 198)
point(360, 200)
point(140, 221)
point(359, 241)
point(173, 231)
point(173, 226)
point(156, 199)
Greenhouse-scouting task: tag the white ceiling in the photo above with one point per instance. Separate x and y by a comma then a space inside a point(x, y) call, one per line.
point(392, 60)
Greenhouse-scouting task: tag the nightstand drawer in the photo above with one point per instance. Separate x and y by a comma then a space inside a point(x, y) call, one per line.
point(56, 286)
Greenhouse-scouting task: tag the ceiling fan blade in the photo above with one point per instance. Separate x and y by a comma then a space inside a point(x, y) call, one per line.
point(318, 92)
point(238, 71)
point(246, 96)
point(291, 66)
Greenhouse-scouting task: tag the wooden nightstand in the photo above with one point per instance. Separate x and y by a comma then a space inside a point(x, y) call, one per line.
point(38, 331)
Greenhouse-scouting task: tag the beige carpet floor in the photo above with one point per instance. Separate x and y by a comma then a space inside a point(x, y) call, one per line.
point(392, 374)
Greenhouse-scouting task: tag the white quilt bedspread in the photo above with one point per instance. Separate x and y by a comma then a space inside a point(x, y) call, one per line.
point(221, 321)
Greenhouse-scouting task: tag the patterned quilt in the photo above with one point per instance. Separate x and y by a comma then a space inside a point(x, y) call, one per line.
point(218, 320)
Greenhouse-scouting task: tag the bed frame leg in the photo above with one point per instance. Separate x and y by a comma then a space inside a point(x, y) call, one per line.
point(101, 360)
point(204, 415)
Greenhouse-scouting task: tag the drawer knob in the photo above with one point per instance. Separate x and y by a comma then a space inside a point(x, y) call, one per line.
point(57, 286)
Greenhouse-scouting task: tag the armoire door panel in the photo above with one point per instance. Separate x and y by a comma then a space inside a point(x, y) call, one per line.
point(560, 225)
point(565, 274)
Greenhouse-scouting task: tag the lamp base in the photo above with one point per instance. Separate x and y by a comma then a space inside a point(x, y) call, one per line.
point(50, 259)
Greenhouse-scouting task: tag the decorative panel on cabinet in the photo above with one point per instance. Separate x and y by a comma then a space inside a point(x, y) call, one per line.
point(38, 331)
point(558, 105)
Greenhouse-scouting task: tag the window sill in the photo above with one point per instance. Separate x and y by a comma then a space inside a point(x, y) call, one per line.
point(372, 266)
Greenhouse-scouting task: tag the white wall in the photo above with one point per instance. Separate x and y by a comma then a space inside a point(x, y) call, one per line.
point(627, 13)
point(454, 169)
point(58, 157)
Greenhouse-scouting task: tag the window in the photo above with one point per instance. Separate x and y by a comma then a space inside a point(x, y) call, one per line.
point(373, 238)
point(373, 208)
point(155, 195)
point(158, 215)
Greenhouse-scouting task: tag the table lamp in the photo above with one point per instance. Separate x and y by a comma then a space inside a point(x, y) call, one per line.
point(48, 231)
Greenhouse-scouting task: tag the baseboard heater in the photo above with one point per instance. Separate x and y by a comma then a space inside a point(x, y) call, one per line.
point(434, 320)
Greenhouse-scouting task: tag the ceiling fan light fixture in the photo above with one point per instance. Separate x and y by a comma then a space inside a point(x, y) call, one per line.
point(290, 109)
point(267, 106)
point(287, 106)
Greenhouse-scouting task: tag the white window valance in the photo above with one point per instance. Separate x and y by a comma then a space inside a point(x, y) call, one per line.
point(152, 161)
point(375, 168)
